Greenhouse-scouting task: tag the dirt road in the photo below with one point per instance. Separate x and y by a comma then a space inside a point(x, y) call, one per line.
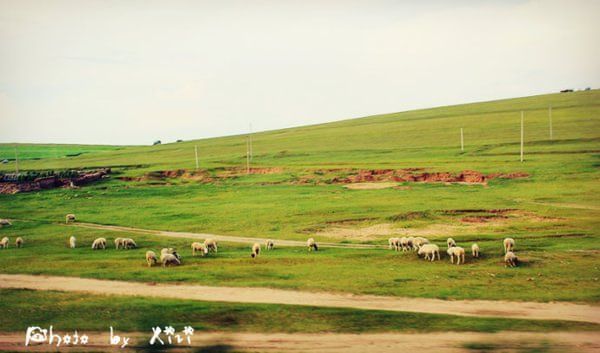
point(481, 308)
point(446, 342)
point(225, 238)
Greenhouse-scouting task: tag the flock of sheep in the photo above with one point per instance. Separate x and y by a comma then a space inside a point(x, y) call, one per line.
point(168, 256)
point(429, 251)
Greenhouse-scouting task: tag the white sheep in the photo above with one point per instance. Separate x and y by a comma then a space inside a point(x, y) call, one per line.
point(475, 250)
point(450, 242)
point(509, 244)
point(429, 250)
point(418, 242)
point(169, 259)
point(255, 250)
point(169, 251)
point(403, 243)
point(312, 245)
point(118, 243)
point(211, 245)
point(129, 243)
point(458, 252)
point(510, 259)
point(19, 242)
point(199, 247)
point(4, 243)
point(99, 243)
point(5, 222)
point(394, 243)
point(409, 243)
point(69, 218)
point(151, 258)
point(72, 242)
point(270, 244)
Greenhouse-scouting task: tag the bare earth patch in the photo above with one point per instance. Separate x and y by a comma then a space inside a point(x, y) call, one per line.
point(439, 342)
point(453, 222)
point(474, 308)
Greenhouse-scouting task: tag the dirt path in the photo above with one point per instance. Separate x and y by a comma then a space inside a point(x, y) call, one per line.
point(224, 238)
point(445, 342)
point(481, 308)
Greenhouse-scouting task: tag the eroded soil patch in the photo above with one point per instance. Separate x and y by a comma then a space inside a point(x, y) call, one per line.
point(202, 176)
point(377, 178)
point(36, 181)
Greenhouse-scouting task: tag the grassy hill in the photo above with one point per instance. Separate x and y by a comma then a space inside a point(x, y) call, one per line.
point(429, 137)
point(553, 213)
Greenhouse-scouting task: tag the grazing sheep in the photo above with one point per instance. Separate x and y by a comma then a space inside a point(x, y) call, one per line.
point(151, 258)
point(169, 259)
point(199, 247)
point(19, 242)
point(312, 244)
point(509, 244)
point(4, 243)
point(418, 242)
point(394, 243)
point(458, 252)
point(119, 243)
point(404, 243)
point(129, 243)
point(5, 222)
point(170, 251)
point(270, 244)
point(409, 243)
point(255, 250)
point(450, 242)
point(429, 250)
point(510, 259)
point(72, 242)
point(211, 245)
point(475, 250)
point(99, 243)
point(69, 218)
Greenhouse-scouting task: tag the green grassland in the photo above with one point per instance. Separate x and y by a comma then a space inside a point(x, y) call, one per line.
point(72, 311)
point(27, 152)
point(546, 271)
point(557, 224)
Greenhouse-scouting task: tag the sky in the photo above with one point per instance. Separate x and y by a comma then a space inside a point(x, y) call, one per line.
point(132, 72)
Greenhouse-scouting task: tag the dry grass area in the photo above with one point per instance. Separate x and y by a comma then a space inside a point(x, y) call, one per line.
point(370, 186)
point(450, 223)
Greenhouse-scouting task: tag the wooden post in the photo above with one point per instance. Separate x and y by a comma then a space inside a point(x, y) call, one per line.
point(16, 160)
point(522, 134)
point(462, 140)
point(550, 121)
point(196, 150)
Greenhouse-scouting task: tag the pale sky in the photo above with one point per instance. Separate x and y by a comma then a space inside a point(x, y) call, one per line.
point(131, 72)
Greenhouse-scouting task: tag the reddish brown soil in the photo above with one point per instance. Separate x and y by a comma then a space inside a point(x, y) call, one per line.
point(38, 184)
point(336, 176)
point(418, 175)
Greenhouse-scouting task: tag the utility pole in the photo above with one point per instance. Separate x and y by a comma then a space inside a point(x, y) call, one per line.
point(250, 138)
point(196, 150)
point(16, 160)
point(462, 140)
point(248, 155)
point(550, 121)
point(522, 135)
